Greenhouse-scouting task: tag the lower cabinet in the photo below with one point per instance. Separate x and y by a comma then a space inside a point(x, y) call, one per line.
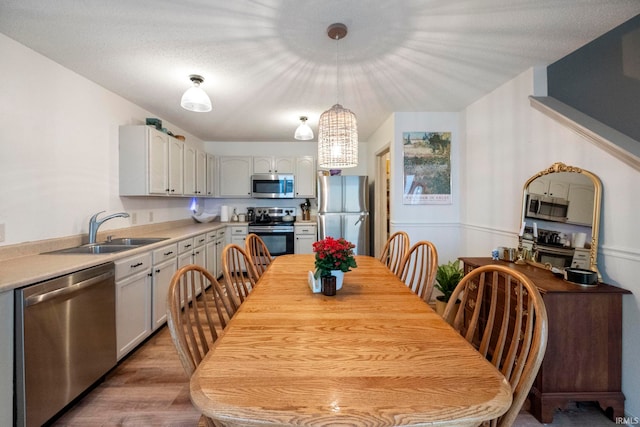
point(133, 302)
point(238, 233)
point(165, 264)
point(305, 235)
point(213, 251)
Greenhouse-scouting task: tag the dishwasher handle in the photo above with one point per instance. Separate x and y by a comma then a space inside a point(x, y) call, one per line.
point(40, 298)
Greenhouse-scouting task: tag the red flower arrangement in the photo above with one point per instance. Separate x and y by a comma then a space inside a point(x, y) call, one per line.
point(333, 254)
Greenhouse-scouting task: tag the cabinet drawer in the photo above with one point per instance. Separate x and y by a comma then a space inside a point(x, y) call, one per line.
point(164, 253)
point(135, 264)
point(185, 245)
point(199, 240)
point(309, 229)
point(238, 230)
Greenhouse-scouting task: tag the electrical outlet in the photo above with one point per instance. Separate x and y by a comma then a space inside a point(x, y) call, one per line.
point(134, 218)
point(150, 216)
point(1, 232)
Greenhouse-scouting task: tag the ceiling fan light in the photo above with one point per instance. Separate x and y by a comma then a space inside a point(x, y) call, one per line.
point(304, 131)
point(196, 99)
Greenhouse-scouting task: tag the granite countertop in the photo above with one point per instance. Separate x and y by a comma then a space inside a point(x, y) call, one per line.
point(33, 268)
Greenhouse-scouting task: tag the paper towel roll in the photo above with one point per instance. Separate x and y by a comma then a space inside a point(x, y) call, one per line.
point(224, 213)
point(578, 240)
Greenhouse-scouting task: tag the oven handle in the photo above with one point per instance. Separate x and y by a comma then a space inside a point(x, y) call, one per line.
point(40, 298)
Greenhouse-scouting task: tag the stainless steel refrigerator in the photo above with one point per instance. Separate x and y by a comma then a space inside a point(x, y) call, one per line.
point(343, 210)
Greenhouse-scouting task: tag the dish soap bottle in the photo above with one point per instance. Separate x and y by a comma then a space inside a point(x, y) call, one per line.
point(234, 217)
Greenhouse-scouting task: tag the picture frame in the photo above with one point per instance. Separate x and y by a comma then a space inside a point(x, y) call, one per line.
point(427, 168)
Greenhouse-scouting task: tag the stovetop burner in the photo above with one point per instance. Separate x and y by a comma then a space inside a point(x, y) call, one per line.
point(273, 216)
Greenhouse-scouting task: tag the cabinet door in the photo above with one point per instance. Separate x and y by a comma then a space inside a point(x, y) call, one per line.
point(220, 242)
point(305, 176)
point(303, 244)
point(559, 189)
point(201, 173)
point(580, 204)
point(211, 255)
point(539, 186)
point(235, 176)
point(189, 169)
point(262, 165)
point(133, 311)
point(176, 152)
point(162, 274)
point(283, 165)
point(158, 162)
point(211, 180)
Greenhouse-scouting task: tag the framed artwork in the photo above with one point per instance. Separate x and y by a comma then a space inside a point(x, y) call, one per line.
point(427, 168)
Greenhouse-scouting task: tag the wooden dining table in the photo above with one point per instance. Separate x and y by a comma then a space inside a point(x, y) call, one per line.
point(375, 354)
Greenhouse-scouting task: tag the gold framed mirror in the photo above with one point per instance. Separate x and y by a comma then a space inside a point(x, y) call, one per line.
point(561, 212)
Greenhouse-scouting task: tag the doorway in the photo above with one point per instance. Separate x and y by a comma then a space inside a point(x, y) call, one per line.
point(382, 218)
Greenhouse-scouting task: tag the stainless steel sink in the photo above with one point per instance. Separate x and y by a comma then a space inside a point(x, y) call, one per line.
point(113, 246)
point(96, 248)
point(134, 241)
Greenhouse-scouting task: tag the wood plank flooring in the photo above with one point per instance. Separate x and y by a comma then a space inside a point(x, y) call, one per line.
point(150, 388)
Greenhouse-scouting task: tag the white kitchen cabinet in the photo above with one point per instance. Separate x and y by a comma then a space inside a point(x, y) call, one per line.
point(201, 173)
point(234, 176)
point(150, 162)
point(195, 171)
point(133, 302)
point(268, 164)
point(211, 180)
point(551, 188)
point(305, 234)
point(165, 265)
point(213, 250)
point(305, 176)
point(581, 203)
point(237, 234)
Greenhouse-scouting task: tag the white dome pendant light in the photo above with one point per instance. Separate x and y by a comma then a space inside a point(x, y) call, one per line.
point(304, 131)
point(196, 99)
point(338, 127)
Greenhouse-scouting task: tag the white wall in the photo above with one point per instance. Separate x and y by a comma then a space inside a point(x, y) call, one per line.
point(59, 151)
point(507, 141)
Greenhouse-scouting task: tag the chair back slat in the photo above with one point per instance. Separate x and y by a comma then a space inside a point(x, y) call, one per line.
point(258, 253)
point(503, 316)
point(394, 251)
point(239, 273)
point(193, 296)
point(419, 267)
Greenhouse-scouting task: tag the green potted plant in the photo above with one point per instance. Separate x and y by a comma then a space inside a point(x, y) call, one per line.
point(447, 278)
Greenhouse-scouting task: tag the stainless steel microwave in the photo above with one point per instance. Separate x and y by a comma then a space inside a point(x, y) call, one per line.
point(272, 186)
point(549, 208)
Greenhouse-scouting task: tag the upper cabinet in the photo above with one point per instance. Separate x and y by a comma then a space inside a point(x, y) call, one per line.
point(151, 162)
point(234, 176)
point(550, 187)
point(305, 174)
point(211, 178)
point(195, 171)
point(267, 164)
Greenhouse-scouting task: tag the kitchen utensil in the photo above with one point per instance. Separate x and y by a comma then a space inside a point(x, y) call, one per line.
point(581, 276)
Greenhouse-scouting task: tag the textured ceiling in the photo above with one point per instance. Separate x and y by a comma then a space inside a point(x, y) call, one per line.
point(266, 62)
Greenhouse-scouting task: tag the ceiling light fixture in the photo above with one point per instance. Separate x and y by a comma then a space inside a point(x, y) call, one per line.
point(338, 128)
point(304, 131)
point(196, 99)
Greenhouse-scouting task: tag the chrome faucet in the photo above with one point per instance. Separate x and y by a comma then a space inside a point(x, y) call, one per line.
point(94, 224)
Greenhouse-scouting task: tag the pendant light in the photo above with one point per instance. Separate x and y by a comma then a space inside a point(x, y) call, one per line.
point(196, 99)
point(338, 128)
point(304, 131)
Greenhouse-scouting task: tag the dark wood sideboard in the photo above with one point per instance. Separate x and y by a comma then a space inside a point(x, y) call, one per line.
point(583, 361)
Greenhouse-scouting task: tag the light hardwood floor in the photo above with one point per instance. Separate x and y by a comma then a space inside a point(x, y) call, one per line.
point(150, 388)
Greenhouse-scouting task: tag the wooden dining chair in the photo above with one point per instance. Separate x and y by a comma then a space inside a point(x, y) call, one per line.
point(503, 316)
point(419, 268)
point(198, 310)
point(394, 251)
point(239, 273)
point(258, 253)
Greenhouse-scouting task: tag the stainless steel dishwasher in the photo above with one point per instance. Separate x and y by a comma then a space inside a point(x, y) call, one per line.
point(65, 340)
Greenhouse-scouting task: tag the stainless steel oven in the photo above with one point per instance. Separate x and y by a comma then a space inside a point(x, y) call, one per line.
point(278, 238)
point(560, 257)
point(270, 225)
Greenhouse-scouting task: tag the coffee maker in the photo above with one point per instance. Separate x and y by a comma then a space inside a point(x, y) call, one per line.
point(251, 214)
